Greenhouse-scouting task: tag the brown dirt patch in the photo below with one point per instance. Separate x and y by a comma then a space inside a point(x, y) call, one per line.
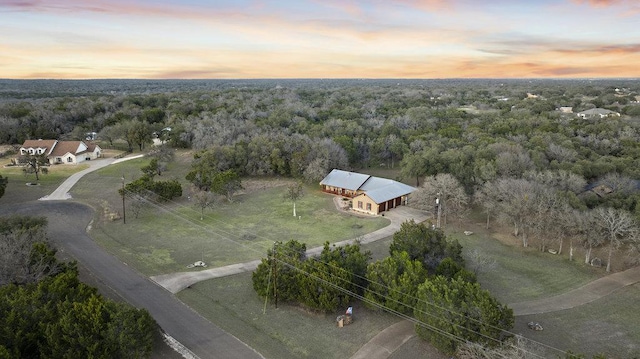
point(260, 184)
point(111, 153)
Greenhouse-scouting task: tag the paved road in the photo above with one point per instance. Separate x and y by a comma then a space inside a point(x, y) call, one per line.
point(387, 341)
point(175, 282)
point(67, 223)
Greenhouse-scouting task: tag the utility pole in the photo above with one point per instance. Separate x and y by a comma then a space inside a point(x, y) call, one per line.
point(124, 213)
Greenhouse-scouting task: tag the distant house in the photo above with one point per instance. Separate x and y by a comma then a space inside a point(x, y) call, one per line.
point(59, 152)
point(371, 195)
point(597, 113)
point(565, 109)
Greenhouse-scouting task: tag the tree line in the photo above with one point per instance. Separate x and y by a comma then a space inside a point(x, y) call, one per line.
point(46, 312)
point(474, 130)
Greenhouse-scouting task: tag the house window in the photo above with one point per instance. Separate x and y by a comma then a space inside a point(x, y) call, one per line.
point(69, 159)
point(368, 206)
point(360, 204)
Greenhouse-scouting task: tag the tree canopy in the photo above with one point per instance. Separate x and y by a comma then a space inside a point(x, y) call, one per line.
point(428, 245)
point(46, 312)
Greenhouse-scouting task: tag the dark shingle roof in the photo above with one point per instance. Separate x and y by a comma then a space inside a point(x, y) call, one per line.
point(47, 144)
point(64, 147)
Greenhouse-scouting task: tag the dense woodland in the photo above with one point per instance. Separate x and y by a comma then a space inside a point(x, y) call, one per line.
point(499, 140)
point(503, 147)
point(476, 130)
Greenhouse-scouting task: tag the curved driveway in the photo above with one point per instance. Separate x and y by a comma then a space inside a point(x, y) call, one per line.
point(62, 192)
point(175, 282)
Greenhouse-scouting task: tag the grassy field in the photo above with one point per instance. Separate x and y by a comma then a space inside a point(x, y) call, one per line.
point(608, 325)
point(521, 275)
point(17, 189)
point(167, 237)
point(285, 332)
point(232, 303)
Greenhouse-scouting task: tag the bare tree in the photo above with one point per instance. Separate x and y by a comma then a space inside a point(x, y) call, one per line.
point(164, 154)
point(137, 203)
point(572, 225)
point(591, 238)
point(513, 161)
point(481, 262)
point(516, 347)
point(25, 256)
point(36, 164)
point(451, 195)
point(545, 213)
point(316, 170)
point(619, 184)
point(516, 202)
point(487, 198)
point(617, 225)
point(561, 180)
point(109, 134)
point(202, 199)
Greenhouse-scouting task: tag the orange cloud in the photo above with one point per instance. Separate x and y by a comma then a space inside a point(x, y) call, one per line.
point(602, 3)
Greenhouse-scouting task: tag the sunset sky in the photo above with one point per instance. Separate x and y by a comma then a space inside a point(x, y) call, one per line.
point(80, 39)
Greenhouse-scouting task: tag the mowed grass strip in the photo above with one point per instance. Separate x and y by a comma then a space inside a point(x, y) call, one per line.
point(287, 332)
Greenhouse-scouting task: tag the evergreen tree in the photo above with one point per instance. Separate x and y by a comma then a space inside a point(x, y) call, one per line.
point(456, 310)
point(393, 282)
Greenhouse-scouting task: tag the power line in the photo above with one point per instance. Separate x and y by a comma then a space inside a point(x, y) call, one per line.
point(185, 218)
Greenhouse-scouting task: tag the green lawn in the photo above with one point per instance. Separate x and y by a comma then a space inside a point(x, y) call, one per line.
point(608, 325)
point(285, 332)
point(168, 236)
point(521, 275)
point(17, 189)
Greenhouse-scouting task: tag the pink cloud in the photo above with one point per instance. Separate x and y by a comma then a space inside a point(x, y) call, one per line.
point(118, 7)
point(623, 49)
point(602, 3)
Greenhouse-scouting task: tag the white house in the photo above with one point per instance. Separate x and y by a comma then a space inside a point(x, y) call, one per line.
point(59, 152)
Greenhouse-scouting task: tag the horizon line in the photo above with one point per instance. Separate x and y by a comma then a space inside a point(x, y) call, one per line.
point(315, 78)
